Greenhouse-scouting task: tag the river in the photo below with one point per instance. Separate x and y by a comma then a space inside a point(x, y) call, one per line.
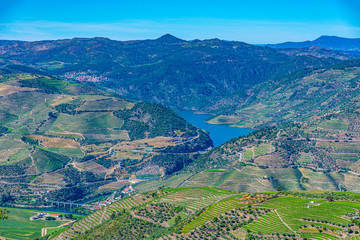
point(218, 133)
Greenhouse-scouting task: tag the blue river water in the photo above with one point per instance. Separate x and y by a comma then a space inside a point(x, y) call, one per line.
point(218, 133)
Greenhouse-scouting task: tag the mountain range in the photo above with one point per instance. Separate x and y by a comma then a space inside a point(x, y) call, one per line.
point(351, 45)
point(201, 75)
point(83, 118)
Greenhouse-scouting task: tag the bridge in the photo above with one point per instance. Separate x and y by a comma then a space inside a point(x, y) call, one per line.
point(69, 204)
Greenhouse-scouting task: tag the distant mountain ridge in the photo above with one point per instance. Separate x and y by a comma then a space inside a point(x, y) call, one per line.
point(198, 75)
point(330, 42)
point(319, 52)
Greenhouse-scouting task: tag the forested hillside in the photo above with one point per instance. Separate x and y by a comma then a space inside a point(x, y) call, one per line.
point(202, 75)
point(301, 96)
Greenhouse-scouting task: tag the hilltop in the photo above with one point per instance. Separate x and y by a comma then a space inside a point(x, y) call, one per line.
point(219, 72)
point(66, 140)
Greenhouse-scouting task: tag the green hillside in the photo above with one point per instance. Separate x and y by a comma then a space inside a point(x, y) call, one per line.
point(302, 96)
point(65, 140)
point(210, 213)
point(160, 70)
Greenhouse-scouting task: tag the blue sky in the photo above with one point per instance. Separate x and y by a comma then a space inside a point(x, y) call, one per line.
point(252, 21)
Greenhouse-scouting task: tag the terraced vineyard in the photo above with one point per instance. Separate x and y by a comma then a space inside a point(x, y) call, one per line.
point(195, 200)
point(213, 211)
point(322, 236)
point(171, 182)
point(99, 217)
point(267, 224)
point(210, 213)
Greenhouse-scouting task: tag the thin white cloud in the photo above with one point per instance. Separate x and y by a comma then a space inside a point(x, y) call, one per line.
point(247, 31)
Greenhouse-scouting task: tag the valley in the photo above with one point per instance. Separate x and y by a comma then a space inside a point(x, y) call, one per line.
point(61, 144)
point(262, 144)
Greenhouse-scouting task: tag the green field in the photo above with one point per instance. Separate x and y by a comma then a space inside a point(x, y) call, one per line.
point(248, 154)
point(214, 211)
point(19, 226)
point(70, 152)
point(262, 149)
point(171, 222)
point(334, 125)
point(194, 200)
point(292, 210)
point(171, 182)
point(340, 145)
point(267, 224)
point(240, 180)
point(211, 211)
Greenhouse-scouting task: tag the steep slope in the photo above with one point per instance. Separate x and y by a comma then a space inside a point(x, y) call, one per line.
point(176, 73)
point(307, 120)
point(56, 134)
point(299, 96)
point(210, 213)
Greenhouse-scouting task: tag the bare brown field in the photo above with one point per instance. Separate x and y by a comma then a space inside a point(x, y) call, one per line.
point(56, 142)
point(4, 155)
point(124, 155)
point(270, 160)
point(62, 99)
point(90, 167)
point(49, 178)
point(106, 137)
point(6, 89)
point(148, 143)
point(113, 186)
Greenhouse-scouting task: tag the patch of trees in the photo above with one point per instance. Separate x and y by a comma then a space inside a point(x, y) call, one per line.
point(160, 212)
point(3, 130)
point(199, 144)
point(74, 177)
point(346, 64)
point(12, 170)
point(151, 120)
point(106, 162)
point(6, 198)
point(68, 194)
point(39, 83)
point(3, 213)
point(29, 140)
point(171, 162)
point(68, 108)
point(16, 68)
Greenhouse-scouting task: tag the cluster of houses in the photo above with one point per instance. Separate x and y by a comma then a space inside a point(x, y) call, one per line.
point(84, 77)
point(99, 205)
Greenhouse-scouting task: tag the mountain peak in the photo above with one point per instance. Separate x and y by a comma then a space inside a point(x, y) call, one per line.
point(168, 38)
point(326, 37)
